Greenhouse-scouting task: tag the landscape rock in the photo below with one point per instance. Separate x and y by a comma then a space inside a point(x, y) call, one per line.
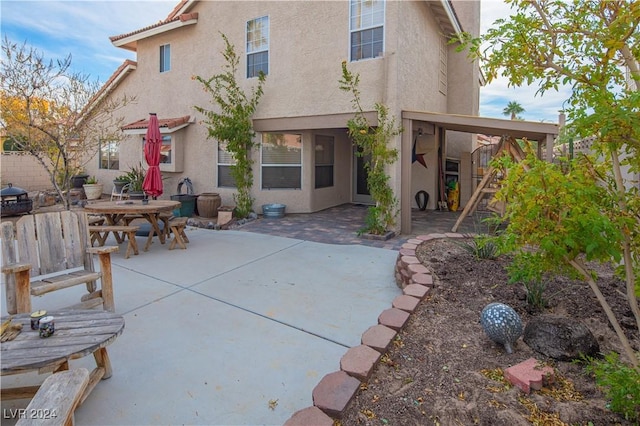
point(560, 338)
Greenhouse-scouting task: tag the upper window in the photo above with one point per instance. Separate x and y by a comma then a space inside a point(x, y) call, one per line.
point(281, 161)
point(258, 46)
point(367, 28)
point(324, 161)
point(225, 161)
point(109, 155)
point(165, 58)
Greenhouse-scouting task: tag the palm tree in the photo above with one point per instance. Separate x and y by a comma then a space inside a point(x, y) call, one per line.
point(513, 108)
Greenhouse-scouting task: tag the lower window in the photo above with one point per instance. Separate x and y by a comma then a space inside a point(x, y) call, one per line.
point(109, 156)
point(225, 161)
point(324, 161)
point(281, 159)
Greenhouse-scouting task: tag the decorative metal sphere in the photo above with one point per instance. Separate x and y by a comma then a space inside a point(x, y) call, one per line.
point(502, 324)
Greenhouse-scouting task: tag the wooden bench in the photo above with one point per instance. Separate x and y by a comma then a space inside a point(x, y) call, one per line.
point(57, 399)
point(46, 252)
point(99, 234)
point(177, 226)
point(164, 217)
point(95, 220)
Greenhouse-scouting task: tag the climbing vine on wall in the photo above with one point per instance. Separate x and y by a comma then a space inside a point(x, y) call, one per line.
point(373, 143)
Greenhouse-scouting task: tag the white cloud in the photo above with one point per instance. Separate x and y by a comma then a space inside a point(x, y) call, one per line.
point(82, 28)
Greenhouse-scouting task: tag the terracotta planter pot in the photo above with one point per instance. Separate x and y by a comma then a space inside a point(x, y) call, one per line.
point(208, 204)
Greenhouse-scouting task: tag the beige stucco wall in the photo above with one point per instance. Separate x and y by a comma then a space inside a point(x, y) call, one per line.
point(24, 171)
point(308, 42)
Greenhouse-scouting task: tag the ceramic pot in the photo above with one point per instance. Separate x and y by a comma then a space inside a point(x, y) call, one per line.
point(208, 204)
point(78, 180)
point(119, 184)
point(93, 191)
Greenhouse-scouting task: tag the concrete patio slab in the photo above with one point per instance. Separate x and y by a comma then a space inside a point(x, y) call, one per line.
point(237, 329)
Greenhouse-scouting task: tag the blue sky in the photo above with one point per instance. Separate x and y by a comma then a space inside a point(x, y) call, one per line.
point(83, 27)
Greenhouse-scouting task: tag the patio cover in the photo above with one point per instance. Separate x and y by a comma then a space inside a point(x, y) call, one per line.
point(544, 133)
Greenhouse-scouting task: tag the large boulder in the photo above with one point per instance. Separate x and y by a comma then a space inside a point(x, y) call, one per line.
point(560, 338)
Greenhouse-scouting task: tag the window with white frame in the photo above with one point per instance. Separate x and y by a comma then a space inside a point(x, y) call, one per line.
point(225, 161)
point(366, 25)
point(281, 161)
point(258, 46)
point(109, 155)
point(166, 149)
point(324, 161)
point(165, 58)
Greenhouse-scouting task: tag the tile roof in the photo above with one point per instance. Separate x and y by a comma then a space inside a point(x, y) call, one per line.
point(183, 18)
point(169, 123)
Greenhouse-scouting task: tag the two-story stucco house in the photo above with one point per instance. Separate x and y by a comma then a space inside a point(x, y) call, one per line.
point(305, 158)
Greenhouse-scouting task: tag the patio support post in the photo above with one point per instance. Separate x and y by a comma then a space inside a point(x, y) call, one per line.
point(405, 176)
point(550, 139)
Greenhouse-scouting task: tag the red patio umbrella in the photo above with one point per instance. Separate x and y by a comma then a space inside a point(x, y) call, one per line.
point(152, 184)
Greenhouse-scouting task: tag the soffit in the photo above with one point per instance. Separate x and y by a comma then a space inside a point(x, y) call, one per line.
point(445, 14)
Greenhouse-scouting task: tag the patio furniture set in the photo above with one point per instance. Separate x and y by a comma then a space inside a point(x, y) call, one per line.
point(43, 253)
point(120, 214)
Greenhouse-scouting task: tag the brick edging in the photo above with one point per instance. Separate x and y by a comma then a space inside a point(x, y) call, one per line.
point(334, 392)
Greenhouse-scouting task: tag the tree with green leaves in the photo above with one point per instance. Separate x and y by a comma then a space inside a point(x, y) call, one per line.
point(53, 114)
point(595, 48)
point(373, 142)
point(231, 123)
point(512, 109)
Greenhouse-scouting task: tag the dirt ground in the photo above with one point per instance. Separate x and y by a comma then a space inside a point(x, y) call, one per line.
point(444, 370)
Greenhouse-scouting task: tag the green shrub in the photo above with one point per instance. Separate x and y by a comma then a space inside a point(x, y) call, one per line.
point(480, 246)
point(535, 294)
point(135, 177)
point(620, 383)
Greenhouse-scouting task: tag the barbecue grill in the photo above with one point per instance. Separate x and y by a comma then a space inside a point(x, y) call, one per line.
point(15, 201)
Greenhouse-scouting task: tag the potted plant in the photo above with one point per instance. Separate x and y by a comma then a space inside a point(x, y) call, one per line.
point(119, 182)
point(136, 179)
point(78, 179)
point(92, 188)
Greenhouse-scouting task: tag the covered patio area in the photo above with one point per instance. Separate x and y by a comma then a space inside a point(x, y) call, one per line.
point(442, 130)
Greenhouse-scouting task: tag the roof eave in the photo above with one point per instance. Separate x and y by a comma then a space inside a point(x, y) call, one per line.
point(453, 19)
point(120, 74)
point(183, 7)
point(131, 42)
point(446, 17)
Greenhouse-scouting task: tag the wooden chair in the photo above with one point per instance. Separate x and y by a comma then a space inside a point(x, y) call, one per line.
point(51, 251)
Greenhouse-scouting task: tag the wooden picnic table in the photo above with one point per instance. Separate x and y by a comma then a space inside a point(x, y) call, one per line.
point(115, 211)
point(78, 333)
